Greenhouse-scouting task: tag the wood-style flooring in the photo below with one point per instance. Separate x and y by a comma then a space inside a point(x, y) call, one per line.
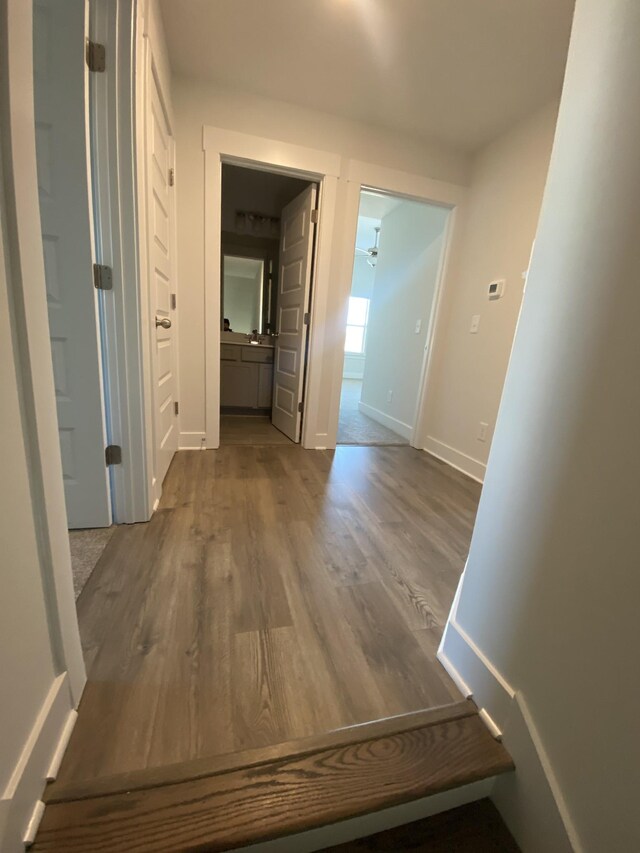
point(276, 594)
point(253, 430)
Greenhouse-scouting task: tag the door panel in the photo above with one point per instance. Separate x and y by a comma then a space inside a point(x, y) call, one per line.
point(160, 158)
point(296, 249)
point(61, 99)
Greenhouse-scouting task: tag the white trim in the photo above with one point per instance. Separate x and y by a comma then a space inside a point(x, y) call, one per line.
point(418, 188)
point(399, 427)
point(192, 441)
point(350, 375)
point(473, 468)
point(65, 737)
point(29, 776)
point(34, 824)
point(531, 800)
point(360, 827)
point(228, 146)
point(532, 803)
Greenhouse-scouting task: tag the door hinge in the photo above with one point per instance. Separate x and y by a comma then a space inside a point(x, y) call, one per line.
point(172, 177)
point(307, 318)
point(314, 216)
point(96, 56)
point(113, 454)
point(176, 408)
point(102, 277)
point(174, 302)
point(300, 406)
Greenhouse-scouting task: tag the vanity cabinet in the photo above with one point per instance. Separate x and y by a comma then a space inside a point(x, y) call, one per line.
point(246, 376)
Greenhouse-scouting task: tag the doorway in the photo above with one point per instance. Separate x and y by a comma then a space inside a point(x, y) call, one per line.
point(267, 251)
point(396, 268)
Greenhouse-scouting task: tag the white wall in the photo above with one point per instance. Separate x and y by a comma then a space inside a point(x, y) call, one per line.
point(411, 240)
point(41, 668)
point(495, 242)
point(551, 589)
point(197, 104)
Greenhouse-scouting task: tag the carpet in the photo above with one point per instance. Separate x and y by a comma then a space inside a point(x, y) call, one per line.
point(86, 549)
point(356, 428)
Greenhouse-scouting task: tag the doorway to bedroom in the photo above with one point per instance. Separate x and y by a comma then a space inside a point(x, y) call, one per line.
point(396, 267)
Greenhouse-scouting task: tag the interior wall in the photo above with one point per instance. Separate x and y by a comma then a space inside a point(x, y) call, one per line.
point(549, 597)
point(197, 104)
point(495, 241)
point(410, 248)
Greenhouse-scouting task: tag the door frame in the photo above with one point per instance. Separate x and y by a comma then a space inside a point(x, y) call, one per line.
point(256, 152)
point(362, 175)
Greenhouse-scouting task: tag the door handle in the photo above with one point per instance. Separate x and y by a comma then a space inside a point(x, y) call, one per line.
point(165, 322)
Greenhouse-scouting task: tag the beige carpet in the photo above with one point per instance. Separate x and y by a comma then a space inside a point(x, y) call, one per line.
point(86, 549)
point(356, 428)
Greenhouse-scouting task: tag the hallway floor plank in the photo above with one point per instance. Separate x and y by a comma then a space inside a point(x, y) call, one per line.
point(277, 594)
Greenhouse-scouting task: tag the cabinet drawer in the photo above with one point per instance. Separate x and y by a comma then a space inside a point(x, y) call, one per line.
point(264, 356)
point(229, 352)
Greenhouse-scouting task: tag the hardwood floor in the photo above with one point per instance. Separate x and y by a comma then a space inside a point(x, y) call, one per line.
point(276, 594)
point(253, 430)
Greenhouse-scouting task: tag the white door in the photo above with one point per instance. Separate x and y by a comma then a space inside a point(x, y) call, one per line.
point(161, 282)
point(294, 288)
point(61, 101)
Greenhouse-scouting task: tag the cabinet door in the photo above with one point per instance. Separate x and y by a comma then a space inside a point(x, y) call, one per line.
point(265, 386)
point(239, 384)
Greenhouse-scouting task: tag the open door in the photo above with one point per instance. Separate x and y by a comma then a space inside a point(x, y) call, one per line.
point(160, 215)
point(61, 103)
point(296, 252)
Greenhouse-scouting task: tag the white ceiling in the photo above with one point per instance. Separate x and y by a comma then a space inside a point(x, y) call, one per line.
point(458, 71)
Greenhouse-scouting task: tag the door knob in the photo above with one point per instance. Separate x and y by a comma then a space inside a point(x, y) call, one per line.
point(165, 322)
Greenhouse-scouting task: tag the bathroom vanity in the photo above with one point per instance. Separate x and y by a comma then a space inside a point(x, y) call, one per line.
point(246, 373)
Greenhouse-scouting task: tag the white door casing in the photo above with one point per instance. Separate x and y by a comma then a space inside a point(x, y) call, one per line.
point(64, 181)
point(160, 224)
point(294, 288)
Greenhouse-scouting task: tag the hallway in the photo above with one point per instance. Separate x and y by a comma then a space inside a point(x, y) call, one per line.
point(354, 427)
point(277, 593)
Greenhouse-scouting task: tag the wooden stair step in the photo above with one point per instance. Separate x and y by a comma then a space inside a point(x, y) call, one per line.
point(152, 777)
point(288, 795)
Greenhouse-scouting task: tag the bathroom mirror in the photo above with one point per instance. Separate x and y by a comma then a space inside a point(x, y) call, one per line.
point(242, 293)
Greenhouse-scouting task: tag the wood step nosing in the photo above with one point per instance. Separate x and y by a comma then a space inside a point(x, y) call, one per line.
point(60, 792)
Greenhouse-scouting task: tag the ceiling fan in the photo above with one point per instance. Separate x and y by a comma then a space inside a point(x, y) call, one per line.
point(372, 251)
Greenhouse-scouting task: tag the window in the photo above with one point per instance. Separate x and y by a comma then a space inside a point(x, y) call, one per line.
point(356, 324)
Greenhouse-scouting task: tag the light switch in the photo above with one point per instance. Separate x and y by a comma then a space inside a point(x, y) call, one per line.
point(418, 326)
point(475, 323)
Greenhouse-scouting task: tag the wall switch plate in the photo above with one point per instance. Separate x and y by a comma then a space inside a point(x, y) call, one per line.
point(482, 431)
point(418, 326)
point(475, 323)
point(389, 395)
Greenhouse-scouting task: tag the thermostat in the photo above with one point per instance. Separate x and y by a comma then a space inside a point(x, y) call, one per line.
point(496, 288)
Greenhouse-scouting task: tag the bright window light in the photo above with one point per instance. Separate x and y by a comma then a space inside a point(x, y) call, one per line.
point(356, 324)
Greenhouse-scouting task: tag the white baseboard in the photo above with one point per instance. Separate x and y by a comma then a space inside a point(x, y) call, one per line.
point(191, 440)
point(360, 827)
point(467, 464)
point(399, 427)
point(24, 790)
point(351, 374)
point(529, 800)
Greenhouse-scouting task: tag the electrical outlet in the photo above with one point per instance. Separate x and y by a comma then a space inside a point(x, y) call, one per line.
point(418, 326)
point(482, 431)
point(389, 395)
point(475, 323)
